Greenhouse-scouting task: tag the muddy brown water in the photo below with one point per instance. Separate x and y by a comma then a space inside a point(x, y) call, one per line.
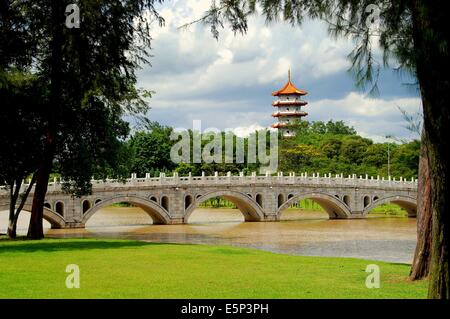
point(307, 233)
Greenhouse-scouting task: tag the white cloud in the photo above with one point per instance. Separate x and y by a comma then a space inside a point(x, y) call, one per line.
point(371, 117)
point(245, 131)
point(227, 83)
point(263, 55)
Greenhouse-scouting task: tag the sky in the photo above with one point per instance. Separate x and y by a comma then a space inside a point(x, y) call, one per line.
point(227, 84)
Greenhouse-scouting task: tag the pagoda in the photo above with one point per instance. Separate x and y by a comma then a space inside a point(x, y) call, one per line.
point(289, 107)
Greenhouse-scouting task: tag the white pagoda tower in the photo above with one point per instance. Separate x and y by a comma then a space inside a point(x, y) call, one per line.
point(289, 107)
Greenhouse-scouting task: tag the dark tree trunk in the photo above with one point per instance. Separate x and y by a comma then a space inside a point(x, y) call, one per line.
point(12, 226)
point(422, 256)
point(13, 196)
point(13, 211)
point(35, 229)
point(12, 232)
point(431, 28)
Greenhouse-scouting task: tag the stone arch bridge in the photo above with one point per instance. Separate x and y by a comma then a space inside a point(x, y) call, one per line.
point(171, 200)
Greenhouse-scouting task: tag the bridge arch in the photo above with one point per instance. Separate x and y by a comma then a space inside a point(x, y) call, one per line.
point(156, 212)
point(247, 205)
point(55, 219)
point(334, 207)
point(408, 203)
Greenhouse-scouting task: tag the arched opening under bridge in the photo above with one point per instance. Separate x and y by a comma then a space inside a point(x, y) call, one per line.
point(223, 206)
point(312, 206)
point(125, 211)
point(392, 206)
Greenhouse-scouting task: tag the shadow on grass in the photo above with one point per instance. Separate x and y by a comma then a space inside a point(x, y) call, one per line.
point(51, 245)
point(397, 264)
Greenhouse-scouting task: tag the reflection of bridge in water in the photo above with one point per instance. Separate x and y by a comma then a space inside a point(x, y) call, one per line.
point(171, 200)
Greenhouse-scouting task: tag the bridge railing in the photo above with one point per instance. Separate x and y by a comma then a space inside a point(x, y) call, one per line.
point(280, 179)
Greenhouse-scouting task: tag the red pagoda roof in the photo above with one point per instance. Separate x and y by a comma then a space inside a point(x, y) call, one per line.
point(289, 88)
point(288, 103)
point(278, 125)
point(281, 114)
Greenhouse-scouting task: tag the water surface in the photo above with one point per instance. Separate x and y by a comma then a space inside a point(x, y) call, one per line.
point(301, 232)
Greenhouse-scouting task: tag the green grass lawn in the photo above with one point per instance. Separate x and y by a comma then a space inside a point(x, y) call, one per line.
point(390, 210)
point(133, 269)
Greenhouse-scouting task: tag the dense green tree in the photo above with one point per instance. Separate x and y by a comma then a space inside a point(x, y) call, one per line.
point(20, 95)
point(318, 127)
point(346, 154)
point(332, 148)
point(340, 128)
point(376, 155)
point(184, 169)
point(20, 131)
point(17, 45)
point(150, 150)
point(91, 76)
point(353, 150)
point(406, 156)
point(298, 158)
point(88, 74)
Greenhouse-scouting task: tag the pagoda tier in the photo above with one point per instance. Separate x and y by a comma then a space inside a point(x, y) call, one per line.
point(281, 125)
point(289, 103)
point(294, 114)
point(289, 106)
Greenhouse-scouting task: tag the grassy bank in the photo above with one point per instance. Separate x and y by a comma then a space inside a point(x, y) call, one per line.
point(133, 269)
point(389, 209)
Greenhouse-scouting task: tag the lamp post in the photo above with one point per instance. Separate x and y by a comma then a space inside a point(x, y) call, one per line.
point(389, 155)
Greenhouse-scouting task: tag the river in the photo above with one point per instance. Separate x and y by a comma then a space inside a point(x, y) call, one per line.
point(307, 233)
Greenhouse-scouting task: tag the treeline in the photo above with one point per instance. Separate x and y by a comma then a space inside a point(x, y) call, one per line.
point(336, 148)
point(318, 147)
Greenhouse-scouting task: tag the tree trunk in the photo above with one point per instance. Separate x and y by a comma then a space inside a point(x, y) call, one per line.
point(431, 28)
point(35, 230)
point(13, 223)
point(422, 256)
point(13, 196)
point(439, 266)
point(12, 229)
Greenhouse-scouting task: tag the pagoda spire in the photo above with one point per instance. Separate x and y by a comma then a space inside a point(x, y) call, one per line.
point(289, 75)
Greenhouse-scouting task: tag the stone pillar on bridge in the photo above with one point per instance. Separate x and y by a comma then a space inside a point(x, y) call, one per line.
point(177, 204)
point(75, 211)
point(270, 203)
point(356, 205)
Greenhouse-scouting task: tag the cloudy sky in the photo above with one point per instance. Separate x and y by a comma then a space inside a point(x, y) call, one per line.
point(228, 83)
